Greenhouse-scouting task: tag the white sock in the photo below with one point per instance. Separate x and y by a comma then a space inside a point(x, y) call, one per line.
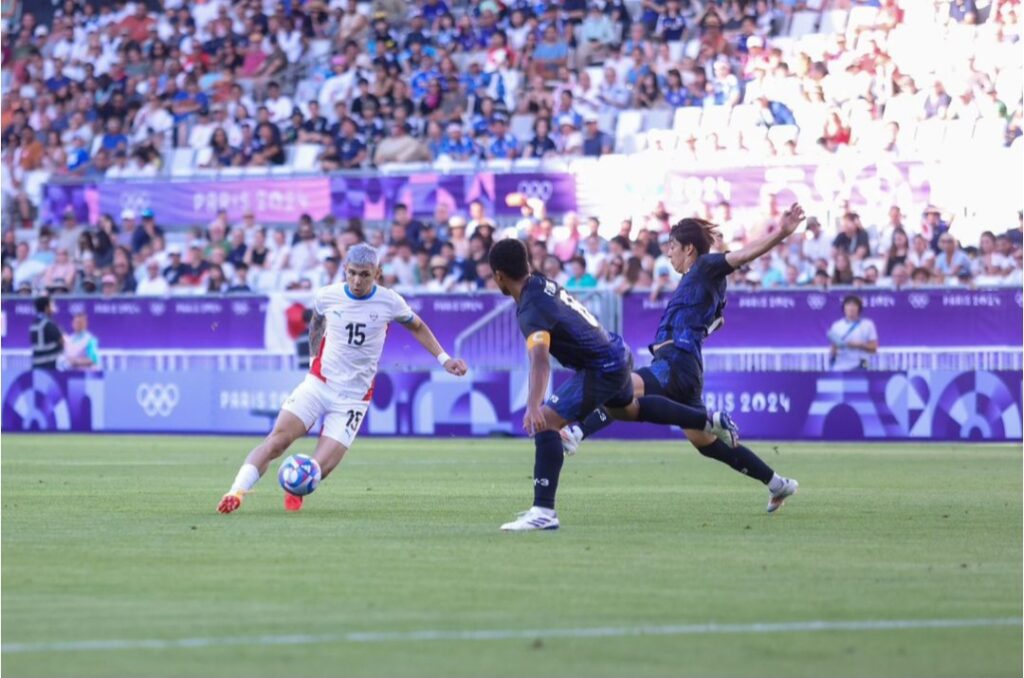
point(550, 513)
point(776, 483)
point(246, 478)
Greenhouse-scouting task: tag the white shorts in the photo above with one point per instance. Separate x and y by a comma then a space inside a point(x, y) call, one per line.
point(313, 399)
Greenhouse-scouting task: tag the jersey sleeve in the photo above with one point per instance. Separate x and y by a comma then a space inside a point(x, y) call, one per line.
point(318, 302)
point(715, 266)
point(534, 318)
point(400, 310)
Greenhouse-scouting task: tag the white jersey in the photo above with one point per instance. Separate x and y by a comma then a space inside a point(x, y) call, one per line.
point(354, 338)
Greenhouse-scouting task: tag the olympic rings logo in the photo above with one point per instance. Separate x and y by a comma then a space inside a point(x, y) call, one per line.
point(135, 201)
point(157, 399)
point(817, 301)
point(918, 300)
point(536, 189)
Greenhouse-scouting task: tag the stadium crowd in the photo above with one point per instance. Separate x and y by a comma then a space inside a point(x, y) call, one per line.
point(110, 90)
point(449, 253)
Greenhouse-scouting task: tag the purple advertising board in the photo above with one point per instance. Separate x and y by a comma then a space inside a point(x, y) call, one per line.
point(980, 406)
point(374, 198)
point(189, 202)
point(935, 318)
point(282, 199)
point(800, 319)
point(234, 322)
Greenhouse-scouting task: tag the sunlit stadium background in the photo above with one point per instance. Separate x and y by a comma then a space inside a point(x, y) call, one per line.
point(184, 175)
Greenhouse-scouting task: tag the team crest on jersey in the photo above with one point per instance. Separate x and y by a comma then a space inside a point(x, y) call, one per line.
point(373, 317)
point(550, 288)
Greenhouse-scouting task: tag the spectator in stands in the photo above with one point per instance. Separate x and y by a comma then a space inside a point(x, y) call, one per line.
point(611, 95)
point(240, 281)
point(593, 37)
point(595, 142)
point(842, 273)
point(579, 278)
point(852, 238)
point(26, 269)
point(551, 54)
point(153, 284)
point(921, 256)
point(990, 262)
point(898, 252)
point(148, 233)
point(853, 339)
point(542, 145)
point(951, 261)
point(193, 273)
point(501, 145)
point(61, 272)
point(933, 226)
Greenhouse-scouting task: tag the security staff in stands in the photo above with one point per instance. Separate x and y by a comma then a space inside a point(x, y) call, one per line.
point(47, 339)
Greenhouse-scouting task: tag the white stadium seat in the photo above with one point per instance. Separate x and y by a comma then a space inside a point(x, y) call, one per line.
point(629, 123)
point(659, 118)
point(715, 119)
point(687, 120)
point(305, 157)
point(803, 23)
point(182, 162)
point(833, 21)
point(521, 126)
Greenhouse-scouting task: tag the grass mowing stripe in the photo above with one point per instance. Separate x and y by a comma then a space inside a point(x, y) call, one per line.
point(515, 634)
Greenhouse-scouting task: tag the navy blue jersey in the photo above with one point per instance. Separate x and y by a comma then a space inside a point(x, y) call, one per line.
point(577, 340)
point(696, 304)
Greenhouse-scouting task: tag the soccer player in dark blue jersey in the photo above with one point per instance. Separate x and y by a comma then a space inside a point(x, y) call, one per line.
point(555, 324)
point(677, 371)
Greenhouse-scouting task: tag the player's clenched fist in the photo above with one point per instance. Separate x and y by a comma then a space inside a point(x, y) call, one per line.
point(455, 366)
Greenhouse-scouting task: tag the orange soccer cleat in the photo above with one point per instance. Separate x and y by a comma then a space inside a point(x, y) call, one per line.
point(292, 502)
point(231, 501)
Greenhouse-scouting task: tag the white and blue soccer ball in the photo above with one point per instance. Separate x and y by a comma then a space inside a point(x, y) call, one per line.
point(299, 475)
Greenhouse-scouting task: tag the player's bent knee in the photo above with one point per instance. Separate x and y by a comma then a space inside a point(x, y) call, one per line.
point(638, 385)
point(553, 419)
point(700, 439)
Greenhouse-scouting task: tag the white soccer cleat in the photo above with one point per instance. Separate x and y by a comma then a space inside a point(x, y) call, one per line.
point(536, 518)
point(572, 436)
point(778, 498)
point(721, 425)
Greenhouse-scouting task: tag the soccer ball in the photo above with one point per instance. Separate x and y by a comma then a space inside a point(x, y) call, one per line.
point(299, 475)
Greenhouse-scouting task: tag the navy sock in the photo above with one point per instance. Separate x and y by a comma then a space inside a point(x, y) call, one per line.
point(660, 410)
point(740, 458)
point(597, 420)
point(547, 465)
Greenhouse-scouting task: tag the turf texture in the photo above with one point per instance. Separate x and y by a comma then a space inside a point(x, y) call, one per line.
point(116, 539)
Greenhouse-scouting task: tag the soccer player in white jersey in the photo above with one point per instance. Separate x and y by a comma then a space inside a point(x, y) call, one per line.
point(346, 337)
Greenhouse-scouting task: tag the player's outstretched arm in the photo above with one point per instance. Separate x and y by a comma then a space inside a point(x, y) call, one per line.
point(538, 348)
point(787, 225)
point(427, 340)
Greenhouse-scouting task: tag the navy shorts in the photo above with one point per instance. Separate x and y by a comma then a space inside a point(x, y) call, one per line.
point(587, 390)
point(676, 375)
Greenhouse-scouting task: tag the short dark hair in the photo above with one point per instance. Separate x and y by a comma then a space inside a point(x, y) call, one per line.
point(696, 232)
point(853, 299)
point(42, 304)
point(510, 258)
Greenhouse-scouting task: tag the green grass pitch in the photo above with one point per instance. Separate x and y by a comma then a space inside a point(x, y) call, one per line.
point(117, 539)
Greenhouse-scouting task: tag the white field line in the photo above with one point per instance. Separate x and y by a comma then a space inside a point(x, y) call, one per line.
point(512, 634)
